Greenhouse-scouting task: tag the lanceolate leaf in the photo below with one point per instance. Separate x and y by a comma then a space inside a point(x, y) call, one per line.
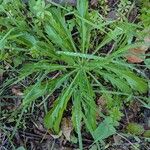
point(87, 99)
point(121, 84)
point(136, 83)
point(84, 28)
point(111, 35)
point(42, 88)
point(3, 40)
point(38, 67)
point(77, 114)
point(27, 40)
point(53, 118)
point(58, 32)
point(64, 31)
point(35, 92)
point(82, 7)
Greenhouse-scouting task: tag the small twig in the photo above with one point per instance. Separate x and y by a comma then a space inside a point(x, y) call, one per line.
point(56, 75)
point(126, 114)
point(128, 141)
point(113, 46)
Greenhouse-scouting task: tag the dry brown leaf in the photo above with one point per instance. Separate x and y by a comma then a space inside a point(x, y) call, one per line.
point(117, 139)
point(101, 102)
point(136, 55)
point(1, 76)
point(67, 128)
point(16, 91)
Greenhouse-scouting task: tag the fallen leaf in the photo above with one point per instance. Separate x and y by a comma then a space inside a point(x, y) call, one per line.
point(136, 55)
point(101, 101)
point(117, 139)
point(67, 128)
point(16, 91)
point(134, 109)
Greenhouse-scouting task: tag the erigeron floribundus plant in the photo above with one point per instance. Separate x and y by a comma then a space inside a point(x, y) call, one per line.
point(81, 71)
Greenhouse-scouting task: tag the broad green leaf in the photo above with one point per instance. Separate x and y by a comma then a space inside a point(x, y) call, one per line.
point(27, 40)
point(21, 148)
point(3, 42)
point(104, 130)
point(54, 36)
point(147, 62)
point(32, 93)
point(82, 7)
point(3, 39)
point(45, 49)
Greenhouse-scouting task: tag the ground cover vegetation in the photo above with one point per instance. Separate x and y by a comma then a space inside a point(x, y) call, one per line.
point(74, 76)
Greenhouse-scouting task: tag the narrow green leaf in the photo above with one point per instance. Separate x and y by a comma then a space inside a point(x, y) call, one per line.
point(87, 99)
point(32, 93)
point(42, 88)
point(2, 41)
point(111, 35)
point(53, 118)
point(136, 83)
point(84, 28)
point(121, 84)
point(38, 67)
point(82, 55)
point(77, 115)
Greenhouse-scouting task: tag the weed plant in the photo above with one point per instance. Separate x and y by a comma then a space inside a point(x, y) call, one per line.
point(56, 50)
